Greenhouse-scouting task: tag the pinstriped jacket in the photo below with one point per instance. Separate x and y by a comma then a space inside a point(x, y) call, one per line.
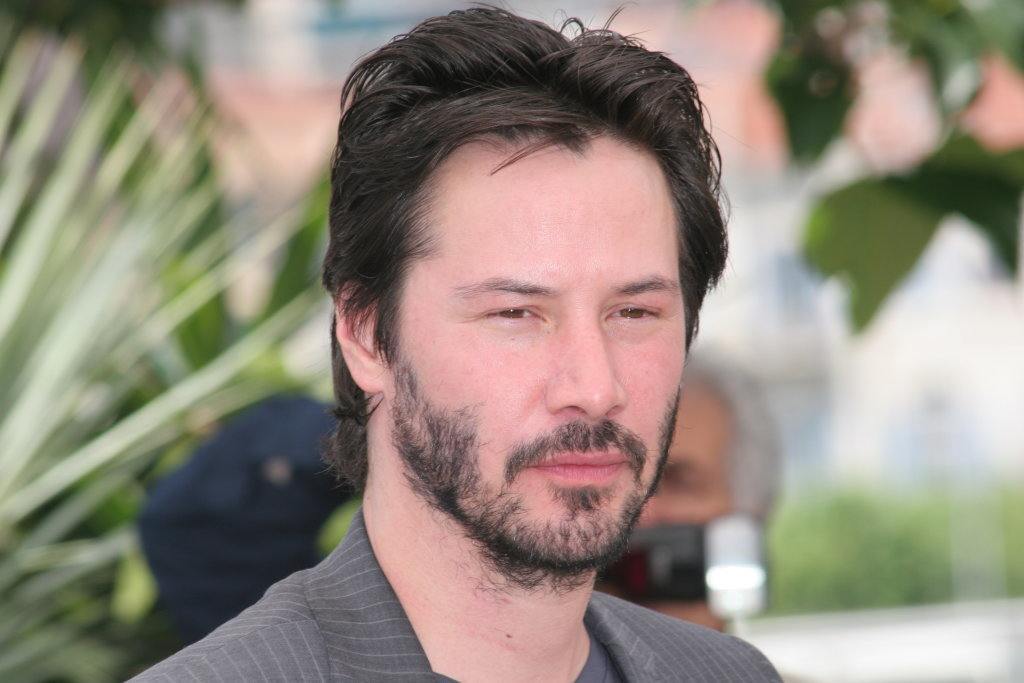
point(341, 620)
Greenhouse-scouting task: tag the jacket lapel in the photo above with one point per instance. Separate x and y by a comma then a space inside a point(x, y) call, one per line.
point(365, 629)
point(633, 657)
point(368, 636)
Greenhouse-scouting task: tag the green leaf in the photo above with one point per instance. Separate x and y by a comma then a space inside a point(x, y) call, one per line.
point(798, 16)
point(963, 154)
point(870, 234)
point(304, 252)
point(135, 590)
point(206, 331)
point(1001, 23)
point(336, 526)
point(813, 91)
point(984, 187)
point(24, 149)
point(946, 36)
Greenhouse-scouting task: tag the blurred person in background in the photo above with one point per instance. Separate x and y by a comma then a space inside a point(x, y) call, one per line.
point(524, 226)
point(724, 462)
point(243, 512)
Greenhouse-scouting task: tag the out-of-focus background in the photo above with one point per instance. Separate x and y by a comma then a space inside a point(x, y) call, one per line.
point(162, 207)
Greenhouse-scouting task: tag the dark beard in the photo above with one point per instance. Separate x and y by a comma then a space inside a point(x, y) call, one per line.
point(440, 450)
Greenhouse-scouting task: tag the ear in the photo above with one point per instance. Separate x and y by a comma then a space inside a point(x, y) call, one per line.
point(364, 363)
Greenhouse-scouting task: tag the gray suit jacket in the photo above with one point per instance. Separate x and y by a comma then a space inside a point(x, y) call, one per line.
point(342, 620)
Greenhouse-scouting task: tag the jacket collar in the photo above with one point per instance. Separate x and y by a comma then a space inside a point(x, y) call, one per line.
point(368, 635)
point(633, 657)
point(365, 629)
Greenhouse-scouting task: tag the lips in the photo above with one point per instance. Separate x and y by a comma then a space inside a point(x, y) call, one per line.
point(592, 468)
point(579, 450)
point(588, 459)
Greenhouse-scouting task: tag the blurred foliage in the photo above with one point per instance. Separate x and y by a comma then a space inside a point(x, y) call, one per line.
point(857, 549)
point(336, 526)
point(1012, 509)
point(872, 232)
point(811, 81)
point(104, 24)
point(119, 349)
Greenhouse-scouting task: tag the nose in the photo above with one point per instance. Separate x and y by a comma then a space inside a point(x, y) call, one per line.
point(585, 381)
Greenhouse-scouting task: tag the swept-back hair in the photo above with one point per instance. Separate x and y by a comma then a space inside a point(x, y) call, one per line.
point(480, 74)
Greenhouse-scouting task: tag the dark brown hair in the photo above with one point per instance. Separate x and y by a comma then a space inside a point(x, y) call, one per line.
point(485, 73)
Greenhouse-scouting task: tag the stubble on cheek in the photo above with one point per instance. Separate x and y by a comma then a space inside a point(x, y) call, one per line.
point(440, 448)
point(666, 434)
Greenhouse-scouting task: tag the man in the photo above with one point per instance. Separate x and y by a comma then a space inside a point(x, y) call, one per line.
point(724, 461)
point(523, 229)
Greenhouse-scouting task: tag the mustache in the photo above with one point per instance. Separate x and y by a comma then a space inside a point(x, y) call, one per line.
point(580, 437)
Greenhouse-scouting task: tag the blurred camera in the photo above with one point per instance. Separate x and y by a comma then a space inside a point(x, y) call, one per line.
point(663, 563)
point(721, 563)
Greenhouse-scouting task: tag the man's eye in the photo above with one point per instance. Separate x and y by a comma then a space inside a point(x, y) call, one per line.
point(634, 313)
point(513, 313)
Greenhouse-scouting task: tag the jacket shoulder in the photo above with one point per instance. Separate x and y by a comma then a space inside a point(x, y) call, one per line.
point(277, 639)
point(685, 651)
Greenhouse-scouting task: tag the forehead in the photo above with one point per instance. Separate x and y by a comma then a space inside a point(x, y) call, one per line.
point(603, 210)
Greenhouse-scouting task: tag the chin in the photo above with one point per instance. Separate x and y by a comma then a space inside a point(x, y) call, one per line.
point(592, 525)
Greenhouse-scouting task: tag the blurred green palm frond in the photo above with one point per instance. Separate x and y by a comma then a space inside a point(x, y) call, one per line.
point(116, 345)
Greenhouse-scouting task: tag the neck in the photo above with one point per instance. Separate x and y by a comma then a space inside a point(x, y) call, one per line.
point(472, 626)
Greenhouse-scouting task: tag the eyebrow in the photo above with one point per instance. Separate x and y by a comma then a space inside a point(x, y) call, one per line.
point(651, 284)
point(511, 286)
point(502, 285)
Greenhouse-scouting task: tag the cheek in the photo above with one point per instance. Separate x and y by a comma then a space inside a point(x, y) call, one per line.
point(651, 377)
point(459, 369)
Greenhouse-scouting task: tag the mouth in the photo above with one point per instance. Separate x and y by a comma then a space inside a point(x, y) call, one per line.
point(592, 468)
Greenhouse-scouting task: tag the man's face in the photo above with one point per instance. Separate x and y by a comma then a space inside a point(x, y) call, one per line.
point(540, 353)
